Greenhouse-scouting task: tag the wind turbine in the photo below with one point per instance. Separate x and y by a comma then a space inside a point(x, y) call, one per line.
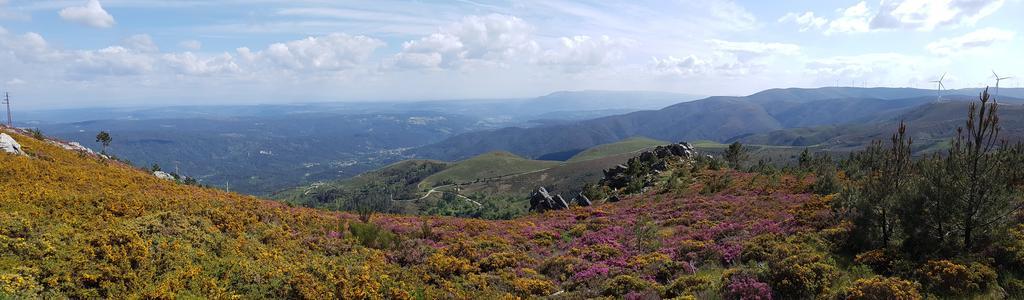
point(998, 79)
point(940, 86)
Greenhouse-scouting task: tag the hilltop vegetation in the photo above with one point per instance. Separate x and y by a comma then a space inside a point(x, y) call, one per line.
point(491, 185)
point(629, 145)
point(484, 166)
point(79, 226)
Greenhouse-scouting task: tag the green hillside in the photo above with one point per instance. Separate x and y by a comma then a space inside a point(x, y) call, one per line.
point(399, 179)
point(625, 146)
point(488, 165)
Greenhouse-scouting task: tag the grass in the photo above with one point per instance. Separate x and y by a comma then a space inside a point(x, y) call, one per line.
point(625, 146)
point(488, 165)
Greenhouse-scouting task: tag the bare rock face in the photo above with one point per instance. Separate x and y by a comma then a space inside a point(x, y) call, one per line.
point(647, 163)
point(582, 200)
point(541, 200)
point(9, 145)
point(73, 146)
point(163, 175)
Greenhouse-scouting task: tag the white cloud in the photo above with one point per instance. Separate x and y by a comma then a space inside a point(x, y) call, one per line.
point(141, 43)
point(114, 60)
point(807, 20)
point(333, 52)
point(583, 52)
point(926, 15)
point(91, 14)
point(192, 64)
point(747, 51)
point(921, 15)
point(492, 38)
point(16, 81)
point(735, 14)
point(981, 38)
point(191, 45)
point(855, 18)
point(7, 14)
point(881, 69)
point(30, 47)
point(686, 66)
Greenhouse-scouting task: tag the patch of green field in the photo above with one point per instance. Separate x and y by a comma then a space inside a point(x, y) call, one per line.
point(488, 165)
point(621, 147)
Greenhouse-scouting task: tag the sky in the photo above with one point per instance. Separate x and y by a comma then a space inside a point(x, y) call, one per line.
point(85, 53)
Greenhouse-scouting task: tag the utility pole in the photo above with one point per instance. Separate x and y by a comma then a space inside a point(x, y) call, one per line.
point(7, 101)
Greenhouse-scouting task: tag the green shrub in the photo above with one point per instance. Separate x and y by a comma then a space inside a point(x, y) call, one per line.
point(372, 236)
point(882, 288)
point(1014, 288)
point(947, 278)
point(561, 268)
point(879, 260)
point(445, 266)
point(625, 284)
point(716, 183)
point(687, 285)
point(501, 260)
point(531, 287)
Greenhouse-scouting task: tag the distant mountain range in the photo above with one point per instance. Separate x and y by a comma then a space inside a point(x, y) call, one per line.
point(260, 149)
point(714, 118)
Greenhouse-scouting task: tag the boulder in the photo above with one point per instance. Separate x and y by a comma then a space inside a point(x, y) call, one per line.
point(9, 145)
point(541, 200)
point(163, 175)
point(648, 163)
point(582, 200)
point(559, 202)
point(74, 146)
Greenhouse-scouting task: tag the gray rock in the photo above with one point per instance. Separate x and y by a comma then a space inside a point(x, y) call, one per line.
point(163, 175)
point(9, 145)
point(73, 146)
point(559, 202)
point(582, 200)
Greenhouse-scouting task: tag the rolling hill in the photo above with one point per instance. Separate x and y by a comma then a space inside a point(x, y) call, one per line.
point(630, 145)
point(484, 166)
point(714, 118)
point(930, 125)
point(483, 182)
point(79, 226)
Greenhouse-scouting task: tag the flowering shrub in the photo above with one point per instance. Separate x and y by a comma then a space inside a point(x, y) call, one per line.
point(561, 267)
point(745, 287)
point(625, 284)
point(77, 226)
point(948, 278)
point(443, 266)
point(533, 287)
point(1011, 250)
point(501, 260)
point(882, 288)
point(687, 285)
point(879, 260)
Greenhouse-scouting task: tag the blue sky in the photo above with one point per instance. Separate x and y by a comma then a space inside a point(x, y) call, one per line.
point(75, 53)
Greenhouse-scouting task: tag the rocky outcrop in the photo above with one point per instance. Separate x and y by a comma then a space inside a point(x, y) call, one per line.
point(582, 200)
point(73, 146)
point(647, 163)
point(163, 175)
point(541, 200)
point(9, 145)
